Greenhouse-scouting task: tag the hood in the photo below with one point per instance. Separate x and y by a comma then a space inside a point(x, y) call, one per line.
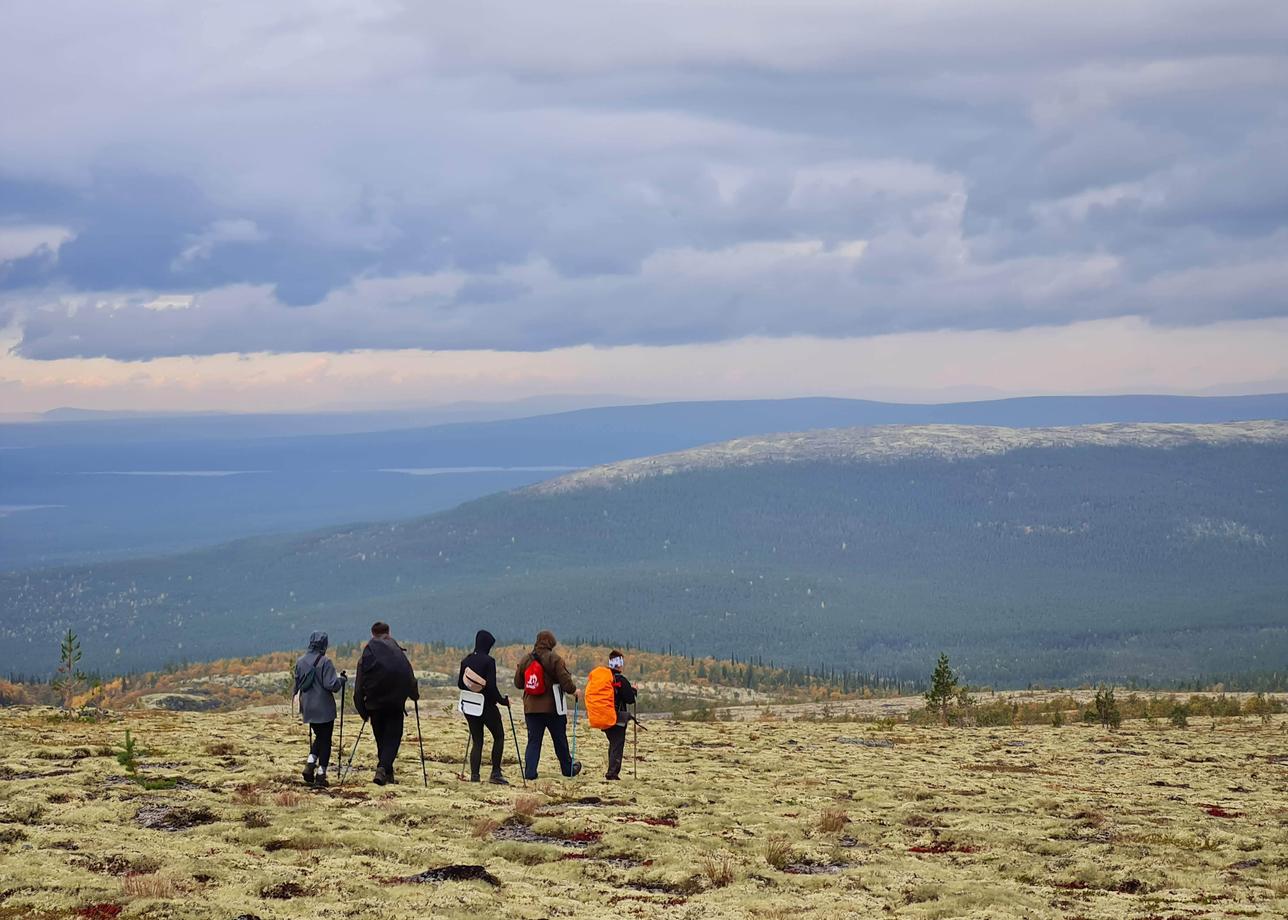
point(545, 641)
point(318, 642)
point(483, 642)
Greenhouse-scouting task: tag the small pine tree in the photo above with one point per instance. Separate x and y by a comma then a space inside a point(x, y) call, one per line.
point(1107, 708)
point(943, 688)
point(128, 755)
point(1180, 716)
point(68, 678)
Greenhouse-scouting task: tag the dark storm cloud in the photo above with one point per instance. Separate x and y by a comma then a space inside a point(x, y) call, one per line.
point(506, 176)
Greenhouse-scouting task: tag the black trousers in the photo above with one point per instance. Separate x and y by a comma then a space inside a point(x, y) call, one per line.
point(538, 724)
point(616, 748)
point(492, 719)
point(321, 747)
point(387, 728)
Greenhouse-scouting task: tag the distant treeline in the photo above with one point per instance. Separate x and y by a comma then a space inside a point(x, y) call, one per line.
point(822, 683)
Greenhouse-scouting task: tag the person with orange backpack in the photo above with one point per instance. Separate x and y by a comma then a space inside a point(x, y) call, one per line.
point(608, 698)
point(545, 681)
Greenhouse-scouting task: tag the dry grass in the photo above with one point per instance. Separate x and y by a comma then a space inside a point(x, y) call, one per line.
point(779, 851)
point(833, 820)
point(287, 798)
point(526, 805)
point(721, 824)
point(719, 869)
point(154, 887)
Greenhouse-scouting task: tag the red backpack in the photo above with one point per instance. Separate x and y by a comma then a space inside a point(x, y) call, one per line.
point(534, 679)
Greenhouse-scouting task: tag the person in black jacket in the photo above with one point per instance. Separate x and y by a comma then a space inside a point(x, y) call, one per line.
point(478, 673)
point(383, 682)
point(623, 697)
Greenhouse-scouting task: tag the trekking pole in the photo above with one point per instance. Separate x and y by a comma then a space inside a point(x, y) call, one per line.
point(635, 743)
point(344, 774)
point(466, 753)
point(339, 748)
point(523, 772)
point(421, 738)
point(576, 706)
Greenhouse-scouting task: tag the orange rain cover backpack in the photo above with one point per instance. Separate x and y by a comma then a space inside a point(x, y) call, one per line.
point(601, 699)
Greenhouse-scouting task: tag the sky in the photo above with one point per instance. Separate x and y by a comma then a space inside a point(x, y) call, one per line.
point(313, 203)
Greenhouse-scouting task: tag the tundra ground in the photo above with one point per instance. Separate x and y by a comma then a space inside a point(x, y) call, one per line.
point(763, 819)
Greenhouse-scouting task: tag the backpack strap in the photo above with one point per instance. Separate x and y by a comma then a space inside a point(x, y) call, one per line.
point(299, 680)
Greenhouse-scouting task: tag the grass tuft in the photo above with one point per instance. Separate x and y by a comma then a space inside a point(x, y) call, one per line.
point(833, 820)
point(779, 852)
point(718, 868)
point(153, 887)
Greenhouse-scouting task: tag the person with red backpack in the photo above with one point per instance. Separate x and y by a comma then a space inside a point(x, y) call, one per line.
point(609, 696)
point(542, 676)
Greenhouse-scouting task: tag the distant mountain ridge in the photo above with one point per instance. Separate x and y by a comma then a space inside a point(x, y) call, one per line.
point(327, 470)
point(1109, 552)
point(888, 444)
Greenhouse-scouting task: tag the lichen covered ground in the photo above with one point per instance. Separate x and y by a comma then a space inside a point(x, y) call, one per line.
point(762, 819)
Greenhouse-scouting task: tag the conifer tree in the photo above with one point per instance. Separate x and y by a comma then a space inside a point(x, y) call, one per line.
point(68, 678)
point(943, 688)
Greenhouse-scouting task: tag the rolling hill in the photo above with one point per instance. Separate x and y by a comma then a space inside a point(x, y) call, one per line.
point(93, 490)
point(1059, 555)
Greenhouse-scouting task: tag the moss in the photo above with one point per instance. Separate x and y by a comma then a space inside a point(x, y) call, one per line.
point(690, 835)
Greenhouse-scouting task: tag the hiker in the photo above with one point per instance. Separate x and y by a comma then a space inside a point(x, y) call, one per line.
point(623, 697)
point(538, 674)
point(315, 685)
point(383, 682)
point(478, 674)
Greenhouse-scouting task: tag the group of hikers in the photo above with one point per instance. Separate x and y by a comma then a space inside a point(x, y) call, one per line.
point(384, 681)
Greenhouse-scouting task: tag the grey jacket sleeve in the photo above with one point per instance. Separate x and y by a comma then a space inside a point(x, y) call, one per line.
point(330, 680)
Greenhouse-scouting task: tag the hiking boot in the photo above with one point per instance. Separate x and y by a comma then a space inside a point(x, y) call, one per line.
point(319, 780)
point(382, 776)
point(612, 779)
point(309, 769)
point(474, 777)
point(576, 768)
point(496, 779)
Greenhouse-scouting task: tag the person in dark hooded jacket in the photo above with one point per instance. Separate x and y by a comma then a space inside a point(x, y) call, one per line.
point(478, 674)
point(315, 685)
point(383, 682)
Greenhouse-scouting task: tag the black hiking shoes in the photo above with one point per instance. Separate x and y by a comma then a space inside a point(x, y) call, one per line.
point(319, 780)
point(382, 776)
point(576, 768)
point(309, 769)
point(474, 777)
point(496, 779)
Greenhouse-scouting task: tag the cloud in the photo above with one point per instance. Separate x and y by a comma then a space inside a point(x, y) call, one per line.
point(492, 175)
point(202, 245)
point(26, 241)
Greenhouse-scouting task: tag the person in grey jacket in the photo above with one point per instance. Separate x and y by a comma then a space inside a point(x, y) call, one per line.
point(315, 685)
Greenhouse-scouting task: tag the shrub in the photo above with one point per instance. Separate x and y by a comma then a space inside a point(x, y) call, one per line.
point(1180, 716)
point(256, 819)
point(1106, 708)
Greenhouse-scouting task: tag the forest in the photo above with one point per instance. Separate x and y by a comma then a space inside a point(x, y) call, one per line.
point(1058, 565)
